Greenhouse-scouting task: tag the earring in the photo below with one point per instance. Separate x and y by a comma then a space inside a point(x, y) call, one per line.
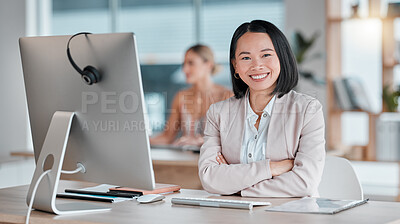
point(236, 75)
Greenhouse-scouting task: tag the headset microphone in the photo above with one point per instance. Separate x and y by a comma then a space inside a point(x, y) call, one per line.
point(89, 74)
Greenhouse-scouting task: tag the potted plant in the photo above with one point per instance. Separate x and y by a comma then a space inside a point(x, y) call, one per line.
point(301, 45)
point(391, 99)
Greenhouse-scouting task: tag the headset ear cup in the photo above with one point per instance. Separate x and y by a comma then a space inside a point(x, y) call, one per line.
point(90, 75)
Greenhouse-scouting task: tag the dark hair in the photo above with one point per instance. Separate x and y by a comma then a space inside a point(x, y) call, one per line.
point(288, 77)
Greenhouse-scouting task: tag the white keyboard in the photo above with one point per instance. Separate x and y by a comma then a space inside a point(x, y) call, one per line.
point(219, 203)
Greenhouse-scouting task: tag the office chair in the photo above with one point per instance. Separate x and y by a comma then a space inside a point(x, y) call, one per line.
point(339, 181)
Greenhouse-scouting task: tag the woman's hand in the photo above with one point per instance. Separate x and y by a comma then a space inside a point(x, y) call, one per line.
point(281, 167)
point(221, 159)
point(189, 140)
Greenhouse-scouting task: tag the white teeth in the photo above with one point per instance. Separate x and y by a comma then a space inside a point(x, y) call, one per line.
point(259, 76)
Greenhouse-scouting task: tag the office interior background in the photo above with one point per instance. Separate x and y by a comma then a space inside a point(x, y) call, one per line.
point(364, 46)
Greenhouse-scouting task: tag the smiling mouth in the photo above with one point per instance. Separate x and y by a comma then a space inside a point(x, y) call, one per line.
point(260, 76)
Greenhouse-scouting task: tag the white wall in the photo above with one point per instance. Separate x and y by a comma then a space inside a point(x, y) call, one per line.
point(308, 17)
point(13, 113)
point(16, 171)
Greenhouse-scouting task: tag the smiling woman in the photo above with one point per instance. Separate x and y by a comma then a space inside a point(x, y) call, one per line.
point(256, 62)
point(268, 140)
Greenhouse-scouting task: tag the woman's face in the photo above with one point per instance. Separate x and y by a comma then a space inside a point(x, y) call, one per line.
point(195, 68)
point(257, 62)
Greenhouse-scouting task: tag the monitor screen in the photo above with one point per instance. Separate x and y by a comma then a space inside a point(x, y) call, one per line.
point(109, 135)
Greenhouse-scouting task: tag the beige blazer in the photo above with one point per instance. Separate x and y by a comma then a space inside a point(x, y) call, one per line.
point(296, 131)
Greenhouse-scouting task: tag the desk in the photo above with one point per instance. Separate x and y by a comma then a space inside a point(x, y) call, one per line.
point(13, 210)
point(176, 167)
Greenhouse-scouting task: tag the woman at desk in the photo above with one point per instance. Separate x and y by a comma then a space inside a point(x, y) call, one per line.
point(268, 140)
point(190, 105)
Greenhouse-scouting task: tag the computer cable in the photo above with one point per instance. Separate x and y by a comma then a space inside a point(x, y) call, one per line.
point(33, 195)
point(80, 168)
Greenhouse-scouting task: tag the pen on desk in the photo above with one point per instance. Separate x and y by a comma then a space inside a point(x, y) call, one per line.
point(136, 193)
point(110, 193)
point(85, 198)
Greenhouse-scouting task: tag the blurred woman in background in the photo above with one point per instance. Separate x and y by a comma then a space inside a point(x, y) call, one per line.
point(190, 105)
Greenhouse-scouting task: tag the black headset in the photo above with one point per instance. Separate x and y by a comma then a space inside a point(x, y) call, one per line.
point(89, 74)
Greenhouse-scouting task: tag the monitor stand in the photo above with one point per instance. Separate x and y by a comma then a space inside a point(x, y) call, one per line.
point(52, 157)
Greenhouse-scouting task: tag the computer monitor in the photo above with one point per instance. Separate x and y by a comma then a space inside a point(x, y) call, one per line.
point(108, 134)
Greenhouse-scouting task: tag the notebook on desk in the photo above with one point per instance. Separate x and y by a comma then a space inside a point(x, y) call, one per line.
point(96, 193)
point(159, 189)
point(317, 205)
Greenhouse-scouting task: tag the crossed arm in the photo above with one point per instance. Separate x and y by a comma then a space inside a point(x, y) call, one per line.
point(277, 168)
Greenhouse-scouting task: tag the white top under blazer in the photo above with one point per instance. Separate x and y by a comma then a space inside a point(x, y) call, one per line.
point(255, 140)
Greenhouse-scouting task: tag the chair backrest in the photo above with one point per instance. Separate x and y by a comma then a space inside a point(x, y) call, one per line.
point(339, 181)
